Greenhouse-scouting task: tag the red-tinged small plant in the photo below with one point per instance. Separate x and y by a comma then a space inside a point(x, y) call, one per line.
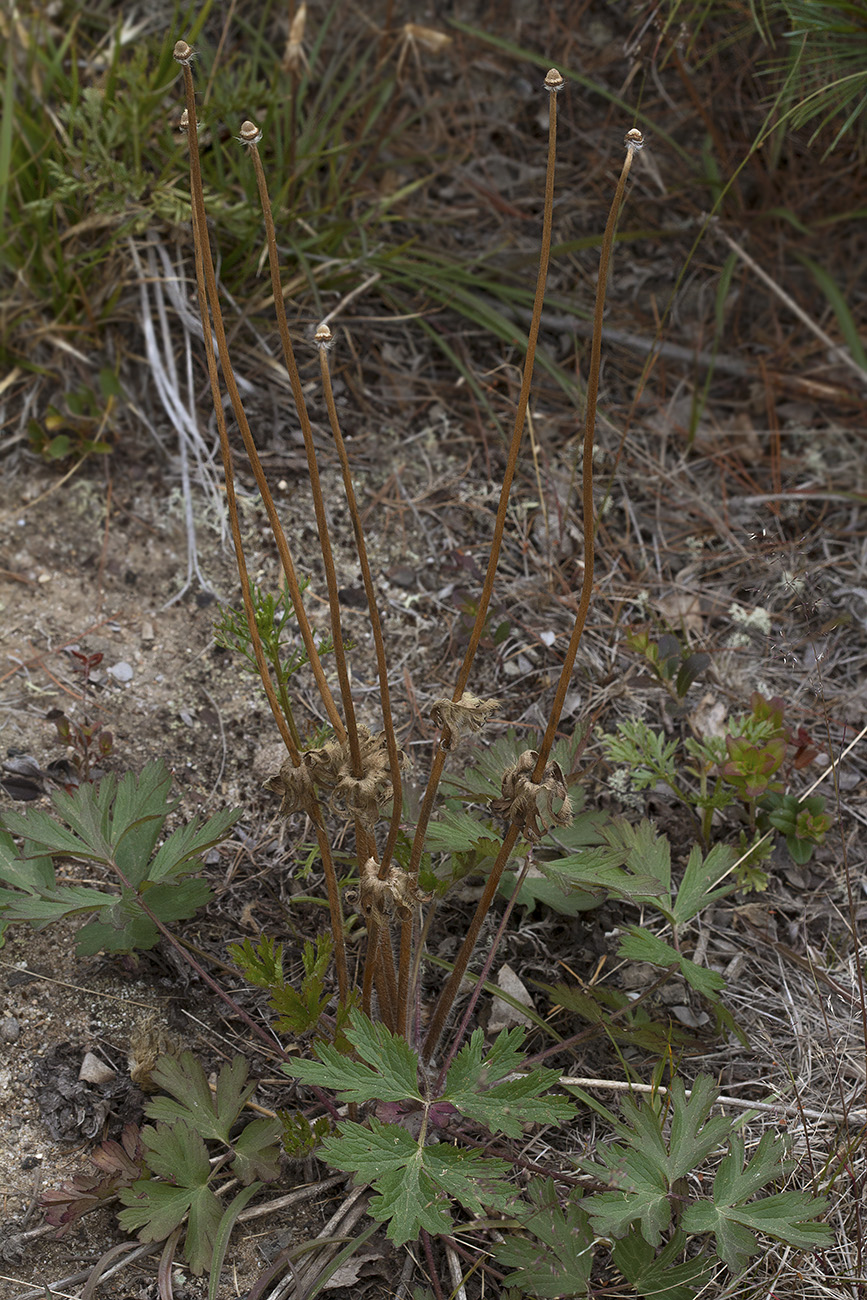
point(751, 767)
point(118, 1164)
point(87, 740)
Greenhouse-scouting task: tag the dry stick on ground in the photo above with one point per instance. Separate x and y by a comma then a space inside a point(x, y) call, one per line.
point(633, 142)
point(207, 286)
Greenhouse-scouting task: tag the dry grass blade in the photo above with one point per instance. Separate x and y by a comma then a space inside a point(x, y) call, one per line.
point(180, 413)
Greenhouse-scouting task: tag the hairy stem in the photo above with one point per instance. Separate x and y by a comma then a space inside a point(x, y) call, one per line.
point(553, 82)
point(450, 990)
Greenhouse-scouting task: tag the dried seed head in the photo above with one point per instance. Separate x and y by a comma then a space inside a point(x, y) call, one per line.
point(554, 81)
point(457, 718)
point(531, 803)
point(323, 336)
point(634, 139)
point(184, 124)
point(183, 53)
point(250, 133)
point(295, 786)
point(348, 795)
point(398, 893)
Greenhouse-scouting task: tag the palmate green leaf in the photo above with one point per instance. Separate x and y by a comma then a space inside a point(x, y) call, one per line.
point(646, 852)
point(482, 781)
point(553, 893)
point(175, 901)
point(180, 853)
point(594, 1005)
point(33, 875)
point(42, 834)
point(35, 896)
point(177, 1153)
point(156, 1209)
point(600, 869)
point(640, 945)
point(134, 932)
point(457, 831)
point(388, 1070)
point(257, 1151)
point(791, 1217)
point(477, 1087)
point(211, 1115)
point(414, 1184)
point(646, 1166)
point(557, 1258)
point(262, 965)
point(655, 1274)
point(122, 925)
point(51, 904)
point(138, 815)
point(107, 822)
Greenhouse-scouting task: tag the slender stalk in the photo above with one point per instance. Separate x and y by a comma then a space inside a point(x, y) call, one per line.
point(377, 950)
point(449, 991)
point(634, 141)
point(250, 136)
point(553, 83)
point(207, 287)
point(323, 338)
point(335, 909)
point(483, 974)
point(183, 55)
point(229, 477)
point(373, 942)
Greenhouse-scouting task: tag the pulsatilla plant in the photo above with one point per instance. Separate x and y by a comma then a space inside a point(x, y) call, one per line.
point(356, 775)
point(432, 1108)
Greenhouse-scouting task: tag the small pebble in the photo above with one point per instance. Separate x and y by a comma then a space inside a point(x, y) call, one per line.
point(93, 1070)
point(10, 1030)
point(121, 672)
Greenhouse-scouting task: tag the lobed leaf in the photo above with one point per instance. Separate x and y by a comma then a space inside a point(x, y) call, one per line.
point(790, 1217)
point(211, 1115)
point(701, 881)
point(655, 1274)
point(477, 1087)
point(257, 1151)
point(388, 1070)
point(639, 945)
point(556, 1259)
point(413, 1183)
point(645, 1167)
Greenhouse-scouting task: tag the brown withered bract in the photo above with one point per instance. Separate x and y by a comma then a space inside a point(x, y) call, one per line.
point(398, 893)
point(522, 797)
point(458, 718)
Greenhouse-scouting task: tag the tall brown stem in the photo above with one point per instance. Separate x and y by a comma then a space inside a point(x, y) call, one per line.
point(449, 992)
point(553, 83)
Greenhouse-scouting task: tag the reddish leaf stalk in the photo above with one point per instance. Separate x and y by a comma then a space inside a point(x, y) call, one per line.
point(449, 992)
